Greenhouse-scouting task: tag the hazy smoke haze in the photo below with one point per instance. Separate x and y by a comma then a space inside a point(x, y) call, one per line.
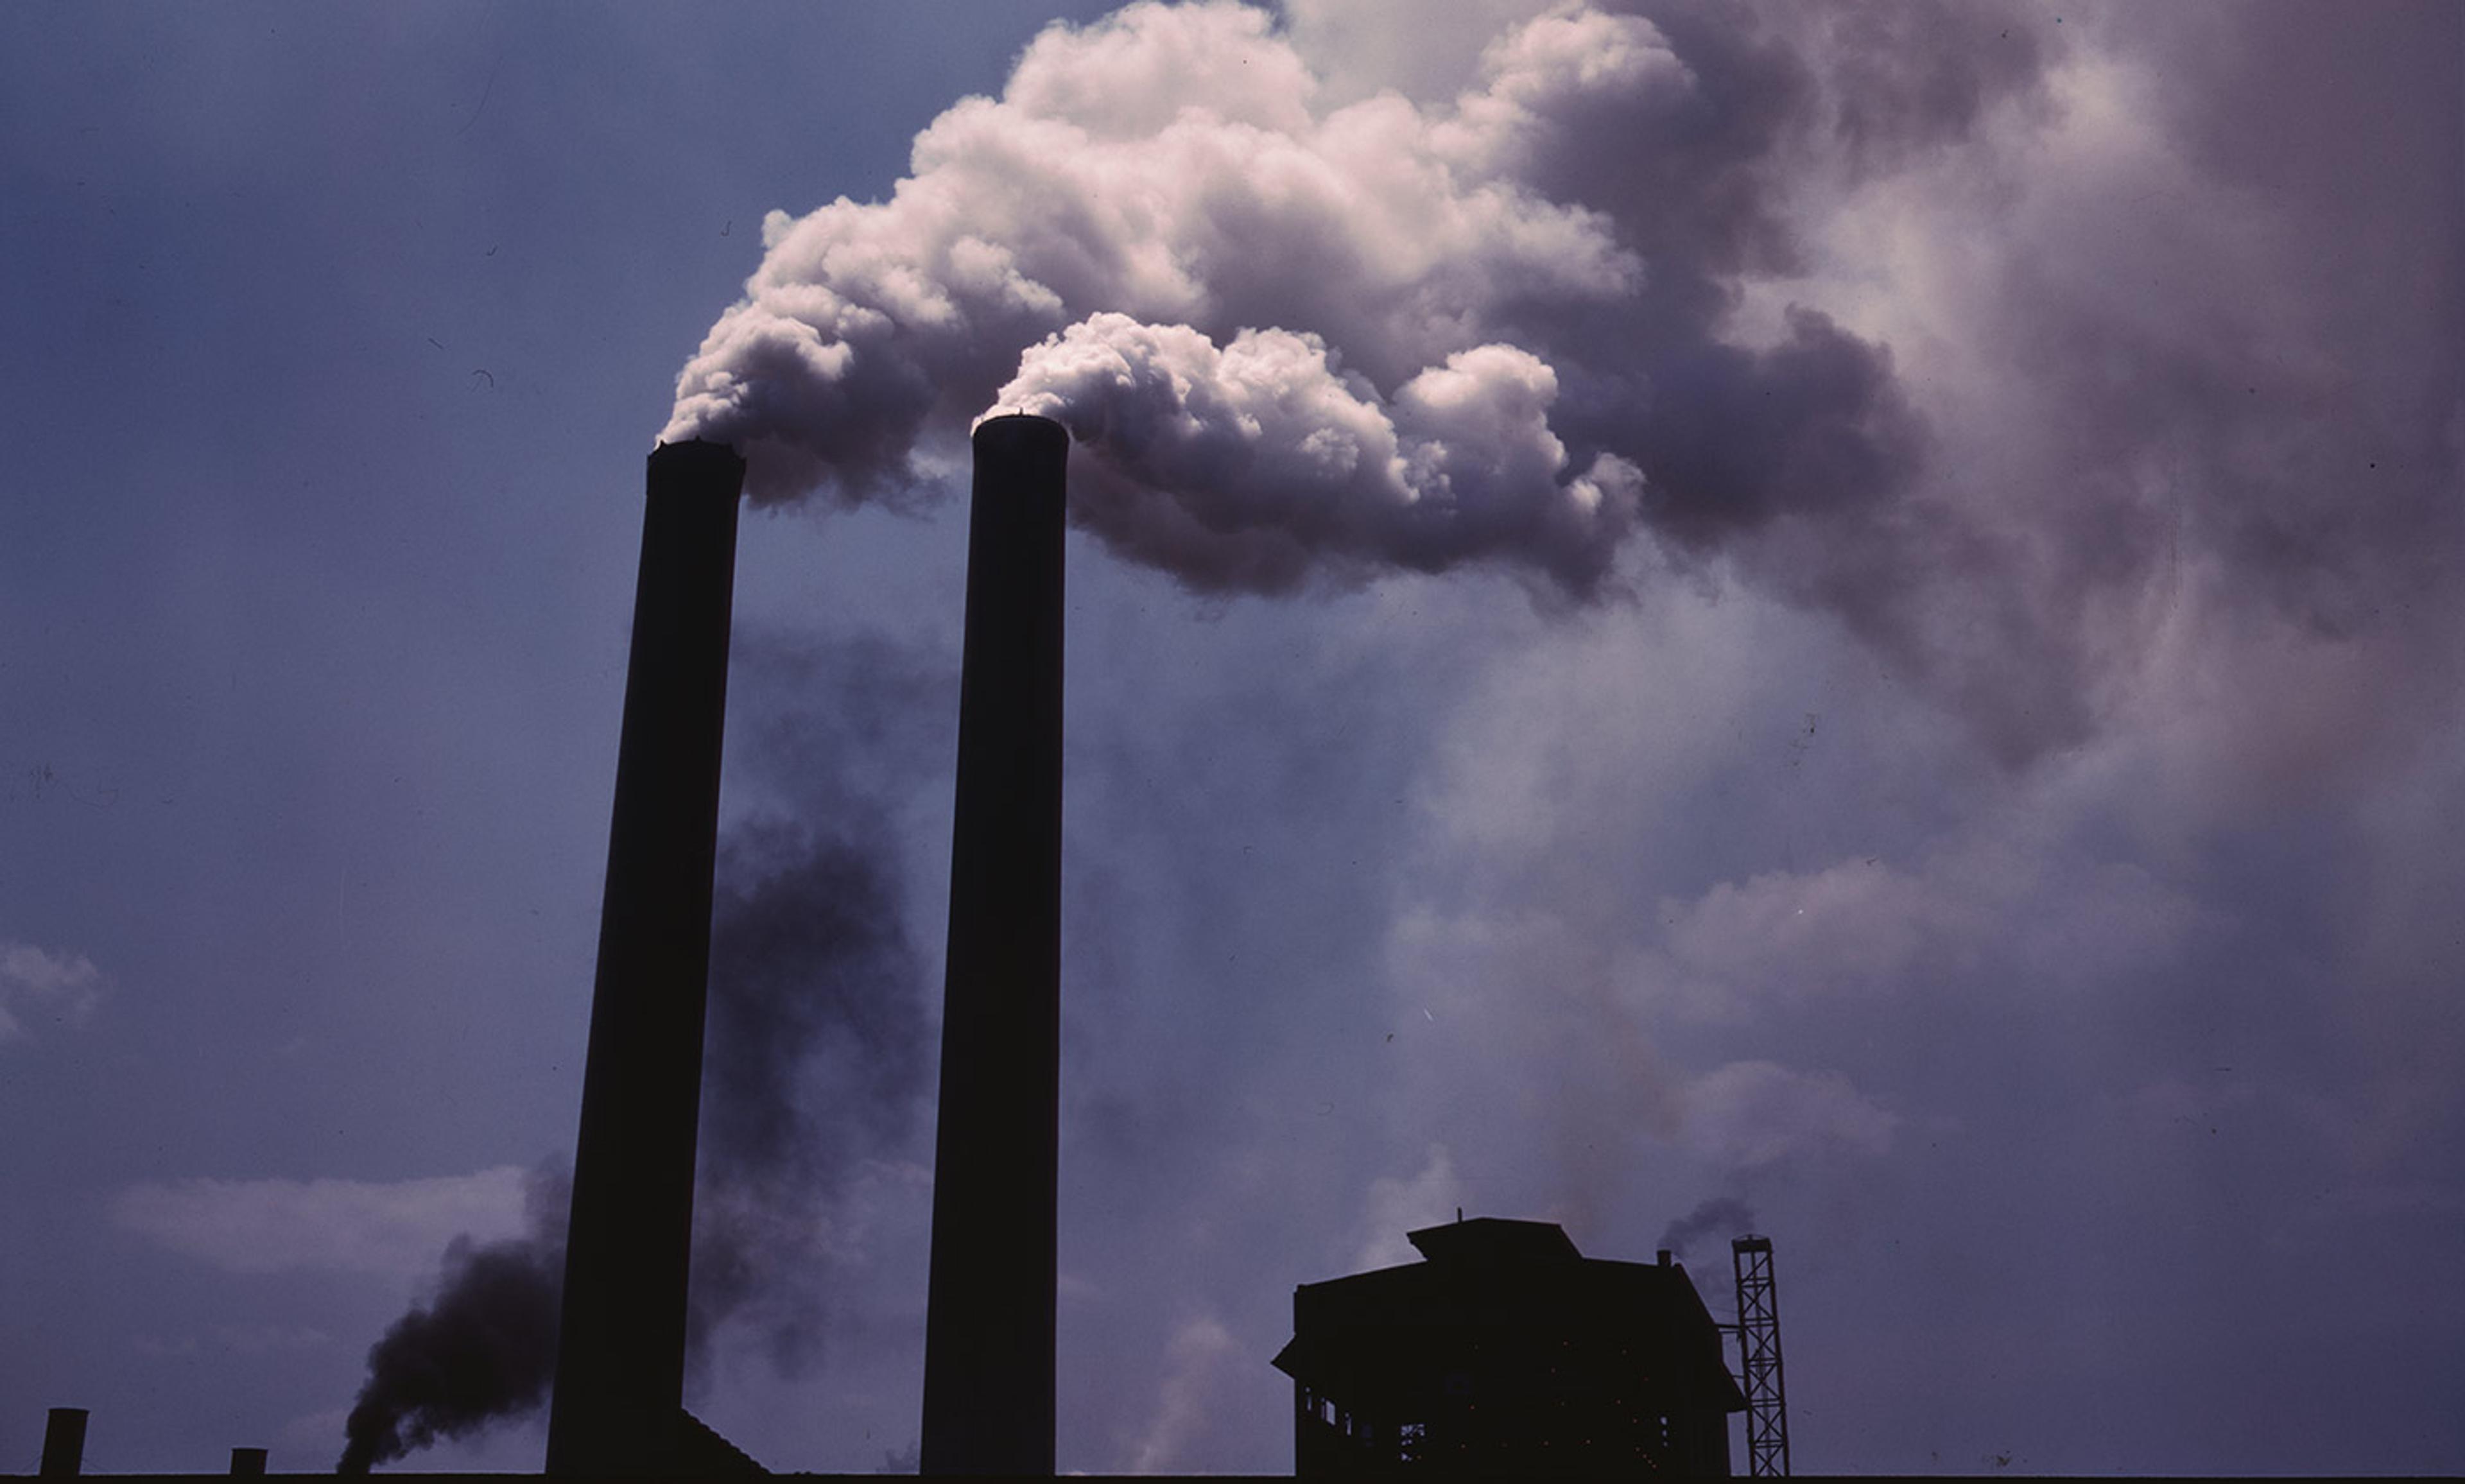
point(1720, 1215)
point(818, 1050)
point(816, 1057)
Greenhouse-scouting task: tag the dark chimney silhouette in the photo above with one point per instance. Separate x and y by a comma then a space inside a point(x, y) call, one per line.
point(989, 1326)
point(619, 1397)
point(64, 1442)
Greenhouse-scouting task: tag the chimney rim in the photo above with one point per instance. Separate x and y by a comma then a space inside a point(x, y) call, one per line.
point(1019, 430)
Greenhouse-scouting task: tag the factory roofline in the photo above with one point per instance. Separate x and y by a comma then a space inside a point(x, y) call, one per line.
point(1493, 1239)
point(1362, 1333)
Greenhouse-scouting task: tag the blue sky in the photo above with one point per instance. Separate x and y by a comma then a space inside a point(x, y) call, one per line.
point(2019, 864)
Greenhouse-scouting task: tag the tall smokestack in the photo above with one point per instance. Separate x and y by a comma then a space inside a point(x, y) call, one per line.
point(989, 1317)
point(621, 1350)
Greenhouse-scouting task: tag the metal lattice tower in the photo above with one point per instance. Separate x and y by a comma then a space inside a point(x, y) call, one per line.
point(1759, 1348)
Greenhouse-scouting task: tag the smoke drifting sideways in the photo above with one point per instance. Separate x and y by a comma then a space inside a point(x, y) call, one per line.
point(1722, 1213)
point(1827, 300)
point(815, 1059)
point(1307, 347)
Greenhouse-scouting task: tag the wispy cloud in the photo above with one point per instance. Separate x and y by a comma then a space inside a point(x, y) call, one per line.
point(40, 985)
point(1395, 1207)
point(1195, 1360)
point(338, 1226)
point(1749, 1114)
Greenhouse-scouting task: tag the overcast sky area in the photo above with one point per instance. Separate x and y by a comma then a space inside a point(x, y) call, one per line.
point(1856, 613)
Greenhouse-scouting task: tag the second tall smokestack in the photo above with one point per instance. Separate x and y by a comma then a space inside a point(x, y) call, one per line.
point(988, 1330)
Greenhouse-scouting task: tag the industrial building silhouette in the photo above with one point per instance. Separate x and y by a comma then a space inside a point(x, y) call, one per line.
point(1507, 1352)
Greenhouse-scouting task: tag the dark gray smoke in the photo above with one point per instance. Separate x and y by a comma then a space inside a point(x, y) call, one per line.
point(1721, 1213)
point(815, 1056)
point(481, 1351)
point(818, 1048)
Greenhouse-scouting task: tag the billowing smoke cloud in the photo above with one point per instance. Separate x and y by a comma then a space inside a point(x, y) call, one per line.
point(481, 1351)
point(815, 1059)
point(1310, 344)
point(1257, 464)
point(1721, 1213)
point(1801, 296)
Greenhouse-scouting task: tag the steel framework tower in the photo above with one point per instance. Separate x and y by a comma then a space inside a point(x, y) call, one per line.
point(1759, 1348)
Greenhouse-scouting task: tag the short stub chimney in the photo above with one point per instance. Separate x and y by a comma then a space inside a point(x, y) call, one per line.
point(64, 1442)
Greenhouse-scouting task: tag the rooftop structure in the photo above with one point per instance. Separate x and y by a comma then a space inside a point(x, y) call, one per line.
point(1508, 1352)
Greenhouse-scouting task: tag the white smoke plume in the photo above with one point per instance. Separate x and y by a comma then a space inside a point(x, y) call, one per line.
point(1308, 344)
point(1255, 462)
point(1836, 300)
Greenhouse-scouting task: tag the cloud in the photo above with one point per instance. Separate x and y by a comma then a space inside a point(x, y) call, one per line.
point(42, 985)
point(1748, 1115)
point(1194, 1362)
point(340, 1226)
point(2012, 898)
point(2225, 406)
point(1860, 924)
point(1393, 1208)
point(1359, 47)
